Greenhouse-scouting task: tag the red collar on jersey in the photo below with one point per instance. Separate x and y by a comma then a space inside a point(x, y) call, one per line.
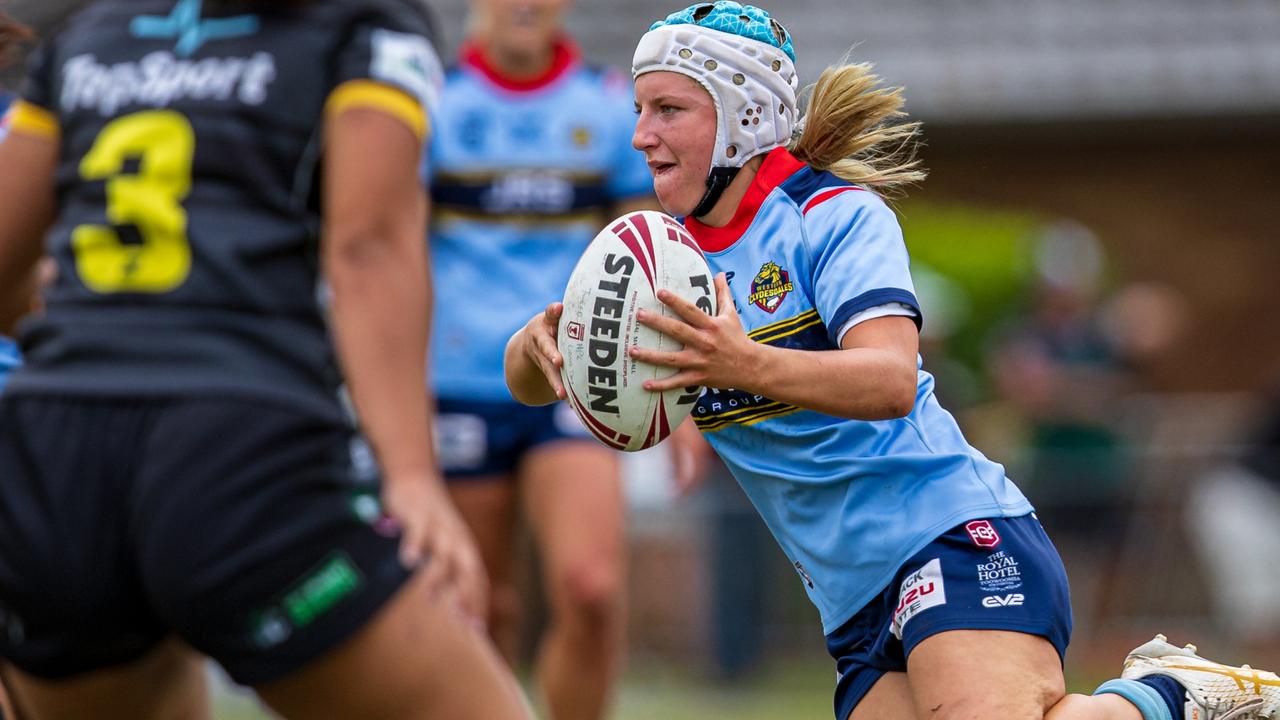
point(564, 55)
point(778, 165)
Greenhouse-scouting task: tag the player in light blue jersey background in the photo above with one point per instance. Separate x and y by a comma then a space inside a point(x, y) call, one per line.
point(531, 156)
point(939, 593)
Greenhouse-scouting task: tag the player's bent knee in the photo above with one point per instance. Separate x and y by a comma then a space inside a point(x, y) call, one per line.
point(590, 593)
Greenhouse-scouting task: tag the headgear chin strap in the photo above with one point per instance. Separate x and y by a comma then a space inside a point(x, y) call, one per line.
point(745, 61)
point(717, 180)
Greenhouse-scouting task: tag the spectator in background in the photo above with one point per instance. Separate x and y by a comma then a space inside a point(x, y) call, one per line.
point(1234, 514)
point(1060, 373)
point(530, 158)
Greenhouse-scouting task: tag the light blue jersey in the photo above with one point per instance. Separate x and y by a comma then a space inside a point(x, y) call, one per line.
point(6, 100)
point(848, 500)
point(9, 359)
point(522, 175)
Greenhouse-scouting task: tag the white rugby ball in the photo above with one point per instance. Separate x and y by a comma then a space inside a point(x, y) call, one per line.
point(619, 274)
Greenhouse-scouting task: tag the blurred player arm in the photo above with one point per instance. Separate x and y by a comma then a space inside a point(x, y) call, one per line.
point(376, 263)
point(28, 156)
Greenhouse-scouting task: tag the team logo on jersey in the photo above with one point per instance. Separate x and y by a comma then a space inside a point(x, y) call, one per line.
point(473, 130)
point(190, 29)
point(407, 61)
point(581, 136)
point(770, 287)
point(983, 533)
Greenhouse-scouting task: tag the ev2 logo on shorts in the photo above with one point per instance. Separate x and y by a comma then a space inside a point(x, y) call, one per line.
point(1010, 600)
point(920, 591)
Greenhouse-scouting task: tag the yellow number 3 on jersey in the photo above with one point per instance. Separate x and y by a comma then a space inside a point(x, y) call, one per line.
point(163, 144)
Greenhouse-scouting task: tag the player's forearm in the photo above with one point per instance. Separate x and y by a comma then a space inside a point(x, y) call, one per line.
point(381, 313)
point(26, 212)
point(525, 380)
point(856, 383)
point(17, 298)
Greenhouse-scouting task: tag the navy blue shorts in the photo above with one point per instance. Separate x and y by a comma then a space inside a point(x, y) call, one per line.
point(997, 574)
point(489, 438)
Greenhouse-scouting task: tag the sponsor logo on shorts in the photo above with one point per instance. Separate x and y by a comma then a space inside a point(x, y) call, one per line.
point(1010, 600)
point(804, 574)
point(920, 591)
point(462, 441)
point(312, 596)
point(567, 422)
point(983, 533)
point(1000, 573)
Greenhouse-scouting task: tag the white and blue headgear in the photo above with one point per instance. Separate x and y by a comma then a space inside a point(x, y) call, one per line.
point(745, 59)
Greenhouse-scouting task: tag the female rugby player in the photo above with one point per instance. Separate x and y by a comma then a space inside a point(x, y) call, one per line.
point(939, 593)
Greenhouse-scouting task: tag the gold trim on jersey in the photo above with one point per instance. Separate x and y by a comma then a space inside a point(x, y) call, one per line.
point(30, 119)
point(771, 409)
point(783, 328)
point(373, 95)
point(745, 416)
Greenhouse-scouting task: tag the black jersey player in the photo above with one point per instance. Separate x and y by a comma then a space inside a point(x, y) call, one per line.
point(174, 462)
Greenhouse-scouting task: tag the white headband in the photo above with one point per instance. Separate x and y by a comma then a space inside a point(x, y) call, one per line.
point(752, 83)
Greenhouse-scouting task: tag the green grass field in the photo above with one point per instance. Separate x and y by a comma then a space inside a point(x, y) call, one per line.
point(799, 690)
point(796, 690)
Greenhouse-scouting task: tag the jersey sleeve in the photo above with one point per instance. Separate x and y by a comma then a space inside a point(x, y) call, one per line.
point(630, 177)
point(388, 63)
point(33, 113)
point(860, 261)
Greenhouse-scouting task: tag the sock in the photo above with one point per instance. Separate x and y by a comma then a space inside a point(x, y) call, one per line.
point(1145, 697)
point(1175, 696)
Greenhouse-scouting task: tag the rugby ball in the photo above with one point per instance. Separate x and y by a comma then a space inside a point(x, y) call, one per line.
point(619, 274)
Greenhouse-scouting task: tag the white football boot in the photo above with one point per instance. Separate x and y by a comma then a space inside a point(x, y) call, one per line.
point(1214, 691)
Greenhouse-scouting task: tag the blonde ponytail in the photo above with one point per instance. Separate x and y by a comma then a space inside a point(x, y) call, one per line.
point(851, 128)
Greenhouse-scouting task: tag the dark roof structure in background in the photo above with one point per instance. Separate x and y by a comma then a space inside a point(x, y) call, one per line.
point(988, 61)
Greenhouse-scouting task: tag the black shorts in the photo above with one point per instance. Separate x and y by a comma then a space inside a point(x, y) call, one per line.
point(233, 524)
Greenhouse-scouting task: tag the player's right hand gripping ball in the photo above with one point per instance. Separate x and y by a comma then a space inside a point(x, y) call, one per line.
point(619, 274)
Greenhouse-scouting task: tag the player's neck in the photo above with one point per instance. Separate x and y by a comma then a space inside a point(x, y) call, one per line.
point(518, 63)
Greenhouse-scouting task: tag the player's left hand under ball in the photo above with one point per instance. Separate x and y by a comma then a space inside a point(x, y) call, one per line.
point(717, 352)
